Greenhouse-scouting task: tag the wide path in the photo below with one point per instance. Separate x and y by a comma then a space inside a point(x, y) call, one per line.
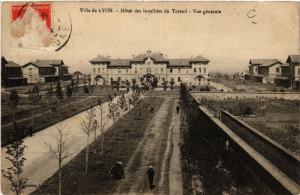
point(38, 165)
point(159, 148)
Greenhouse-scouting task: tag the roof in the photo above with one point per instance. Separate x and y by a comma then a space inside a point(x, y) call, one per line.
point(156, 57)
point(119, 63)
point(77, 72)
point(293, 59)
point(52, 62)
point(179, 62)
point(100, 58)
point(199, 58)
point(39, 65)
point(11, 64)
point(264, 62)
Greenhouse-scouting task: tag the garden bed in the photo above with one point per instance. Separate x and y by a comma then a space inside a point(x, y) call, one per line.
point(119, 144)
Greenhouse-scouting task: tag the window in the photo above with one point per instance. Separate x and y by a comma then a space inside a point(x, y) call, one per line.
point(178, 79)
point(93, 70)
point(187, 71)
point(162, 69)
point(277, 70)
point(141, 68)
point(135, 70)
point(204, 70)
point(200, 70)
point(156, 69)
point(195, 70)
point(171, 70)
point(178, 71)
point(98, 70)
point(148, 70)
point(119, 71)
point(126, 70)
point(30, 71)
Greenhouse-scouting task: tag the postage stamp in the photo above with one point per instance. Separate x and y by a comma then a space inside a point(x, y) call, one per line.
point(43, 10)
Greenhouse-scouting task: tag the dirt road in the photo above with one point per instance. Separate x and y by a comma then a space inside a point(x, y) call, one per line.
point(159, 148)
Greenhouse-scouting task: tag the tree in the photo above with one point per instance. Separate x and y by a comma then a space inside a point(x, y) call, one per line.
point(122, 103)
point(87, 126)
point(165, 83)
point(101, 125)
point(127, 84)
point(113, 111)
point(59, 151)
point(34, 97)
point(172, 83)
point(14, 174)
point(86, 90)
point(69, 91)
point(133, 83)
point(59, 95)
point(49, 93)
point(13, 102)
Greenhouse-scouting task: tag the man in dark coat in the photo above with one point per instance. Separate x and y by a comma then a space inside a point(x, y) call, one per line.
point(117, 171)
point(177, 109)
point(151, 173)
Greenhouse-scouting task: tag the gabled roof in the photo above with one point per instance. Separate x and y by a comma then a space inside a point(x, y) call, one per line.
point(100, 58)
point(264, 62)
point(199, 58)
point(154, 56)
point(3, 61)
point(293, 59)
point(39, 65)
point(77, 73)
point(11, 64)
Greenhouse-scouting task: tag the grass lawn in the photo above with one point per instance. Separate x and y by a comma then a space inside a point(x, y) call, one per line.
point(119, 144)
point(278, 119)
point(49, 117)
point(251, 86)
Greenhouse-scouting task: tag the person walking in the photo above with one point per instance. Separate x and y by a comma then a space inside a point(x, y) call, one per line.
point(177, 109)
point(151, 173)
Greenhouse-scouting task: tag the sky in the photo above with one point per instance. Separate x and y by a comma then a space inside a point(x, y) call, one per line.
point(243, 30)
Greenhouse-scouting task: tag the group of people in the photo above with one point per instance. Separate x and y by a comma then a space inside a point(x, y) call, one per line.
point(117, 172)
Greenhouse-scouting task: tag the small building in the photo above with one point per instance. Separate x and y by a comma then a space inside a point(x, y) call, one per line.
point(294, 63)
point(42, 71)
point(264, 70)
point(78, 77)
point(11, 74)
point(284, 78)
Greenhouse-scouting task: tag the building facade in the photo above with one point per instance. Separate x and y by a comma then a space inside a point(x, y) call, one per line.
point(11, 74)
point(193, 71)
point(42, 71)
point(294, 70)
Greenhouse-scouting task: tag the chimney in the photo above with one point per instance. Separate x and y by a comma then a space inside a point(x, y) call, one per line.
point(148, 52)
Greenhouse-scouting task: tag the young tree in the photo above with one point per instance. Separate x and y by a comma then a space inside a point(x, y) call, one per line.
point(165, 83)
point(69, 91)
point(14, 174)
point(172, 82)
point(49, 93)
point(87, 126)
point(101, 125)
point(60, 151)
point(133, 83)
point(122, 103)
point(34, 97)
point(127, 84)
point(113, 111)
point(59, 95)
point(13, 102)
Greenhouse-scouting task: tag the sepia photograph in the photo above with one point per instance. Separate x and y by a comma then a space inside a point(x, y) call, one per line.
point(150, 97)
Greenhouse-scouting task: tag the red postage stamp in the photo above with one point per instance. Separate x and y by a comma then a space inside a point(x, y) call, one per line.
point(43, 9)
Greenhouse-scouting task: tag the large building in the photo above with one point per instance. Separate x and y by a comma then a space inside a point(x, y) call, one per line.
point(106, 70)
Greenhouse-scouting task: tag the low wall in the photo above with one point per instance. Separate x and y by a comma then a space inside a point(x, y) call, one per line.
point(271, 150)
point(276, 179)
